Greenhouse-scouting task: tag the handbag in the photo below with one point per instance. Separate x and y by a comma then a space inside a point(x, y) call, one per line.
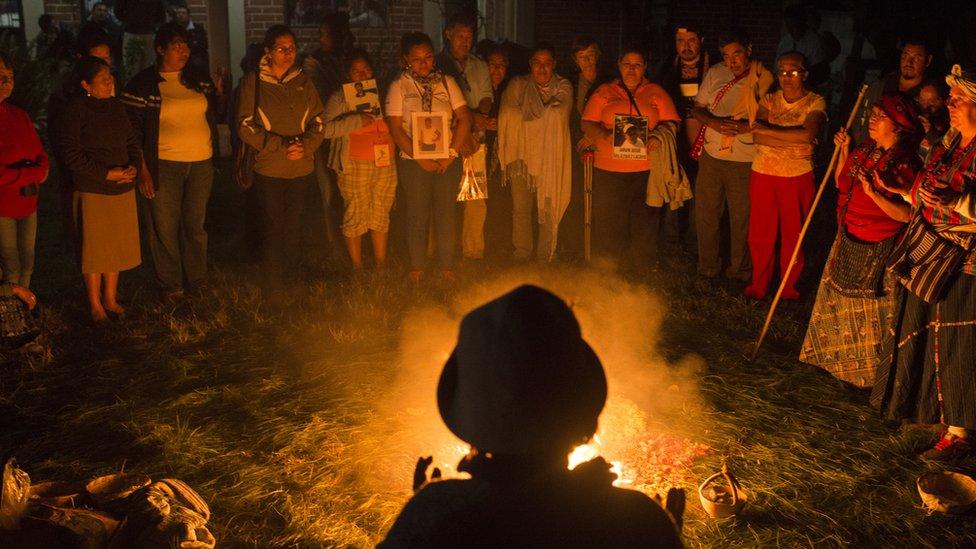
point(925, 262)
point(18, 324)
point(245, 156)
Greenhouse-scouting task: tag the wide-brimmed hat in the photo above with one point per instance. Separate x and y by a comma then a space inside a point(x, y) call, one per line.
point(521, 379)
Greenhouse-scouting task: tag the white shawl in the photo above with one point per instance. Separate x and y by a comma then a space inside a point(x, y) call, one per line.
point(534, 144)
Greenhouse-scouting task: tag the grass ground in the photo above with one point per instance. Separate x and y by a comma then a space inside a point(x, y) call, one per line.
point(301, 429)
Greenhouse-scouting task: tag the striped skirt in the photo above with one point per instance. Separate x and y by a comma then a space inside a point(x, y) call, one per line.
point(846, 334)
point(929, 371)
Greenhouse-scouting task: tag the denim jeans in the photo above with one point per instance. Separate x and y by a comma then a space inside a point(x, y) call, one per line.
point(17, 238)
point(425, 193)
point(177, 239)
point(281, 203)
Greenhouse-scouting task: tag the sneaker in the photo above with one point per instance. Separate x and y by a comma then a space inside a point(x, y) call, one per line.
point(415, 276)
point(949, 448)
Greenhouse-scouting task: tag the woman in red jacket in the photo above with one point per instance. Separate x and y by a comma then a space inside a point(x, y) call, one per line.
point(23, 167)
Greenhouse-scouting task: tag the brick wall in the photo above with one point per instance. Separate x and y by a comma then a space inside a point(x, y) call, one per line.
point(558, 21)
point(762, 19)
point(198, 12)
point(67, 11)
point(382, 43)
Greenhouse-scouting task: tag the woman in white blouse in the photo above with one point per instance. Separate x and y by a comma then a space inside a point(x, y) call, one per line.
point(429, 185)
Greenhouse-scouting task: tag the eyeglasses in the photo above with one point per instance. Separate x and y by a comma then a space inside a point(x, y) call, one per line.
point(796, 73)
point(285, 50)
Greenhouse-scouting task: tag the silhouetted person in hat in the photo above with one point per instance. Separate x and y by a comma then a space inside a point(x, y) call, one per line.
point(523, 388)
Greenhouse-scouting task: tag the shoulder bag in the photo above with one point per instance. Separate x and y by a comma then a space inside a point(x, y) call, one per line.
point(245, 155)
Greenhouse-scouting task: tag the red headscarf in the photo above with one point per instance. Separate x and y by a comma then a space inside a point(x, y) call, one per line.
point(901, 110)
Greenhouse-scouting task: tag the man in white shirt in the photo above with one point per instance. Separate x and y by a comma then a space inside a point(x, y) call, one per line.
point(726, 160)
point(471, 74)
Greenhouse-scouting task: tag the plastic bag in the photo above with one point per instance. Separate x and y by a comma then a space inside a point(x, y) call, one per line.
point(14, 493)
point(474, 178)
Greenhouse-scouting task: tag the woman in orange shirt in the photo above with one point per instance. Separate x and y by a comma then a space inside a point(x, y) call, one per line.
point(624, 226)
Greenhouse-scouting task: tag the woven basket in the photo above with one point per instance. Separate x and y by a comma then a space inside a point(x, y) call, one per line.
point(114, 487)
point(58, 493)
point(947, 492)
point(732, 492)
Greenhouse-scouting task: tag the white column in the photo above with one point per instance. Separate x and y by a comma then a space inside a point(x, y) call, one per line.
point(433, 23)
point(32, 9)
point(237, 32)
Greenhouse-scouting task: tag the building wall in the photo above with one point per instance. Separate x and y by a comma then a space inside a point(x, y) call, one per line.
point(762, 19)
point(382, 43)
point(67, 11)
point(613, 22)
point(555, 21)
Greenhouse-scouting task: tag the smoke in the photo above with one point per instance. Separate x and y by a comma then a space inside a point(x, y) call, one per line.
point(622, 321)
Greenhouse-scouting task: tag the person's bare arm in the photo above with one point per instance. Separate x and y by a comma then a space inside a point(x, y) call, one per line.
point(461, 140)
point(594, 131)
point(842, 140)
point(704, 117)
point(399, 136)
point(898, 210)
point(481, 114)
point(765, 133)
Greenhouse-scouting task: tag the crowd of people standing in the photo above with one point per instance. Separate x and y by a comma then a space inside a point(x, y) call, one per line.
point(725, 139)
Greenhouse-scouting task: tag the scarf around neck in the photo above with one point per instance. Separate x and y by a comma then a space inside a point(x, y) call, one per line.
point(426, 85)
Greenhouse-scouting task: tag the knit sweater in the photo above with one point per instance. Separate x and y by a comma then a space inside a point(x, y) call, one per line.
point(95, 137)
point(23, 162)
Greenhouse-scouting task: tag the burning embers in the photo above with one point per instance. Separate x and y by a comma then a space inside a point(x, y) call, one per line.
point(640, 456)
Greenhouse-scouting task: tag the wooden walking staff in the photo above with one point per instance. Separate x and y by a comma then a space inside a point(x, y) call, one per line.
point(806, 223)
point(587, 156)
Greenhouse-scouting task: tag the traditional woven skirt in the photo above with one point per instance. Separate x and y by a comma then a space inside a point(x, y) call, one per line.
point(108, 231)
point(846, 334)
point(929, 370)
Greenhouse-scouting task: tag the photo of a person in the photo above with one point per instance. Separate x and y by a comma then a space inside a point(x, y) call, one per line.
point(630, 137)
point(633, 142)
point(363, 96)
point(430, 135)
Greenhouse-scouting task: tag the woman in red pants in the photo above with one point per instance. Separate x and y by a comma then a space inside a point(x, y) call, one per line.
point(781, 185)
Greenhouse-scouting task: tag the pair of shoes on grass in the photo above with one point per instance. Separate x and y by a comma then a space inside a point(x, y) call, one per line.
point(949, 448)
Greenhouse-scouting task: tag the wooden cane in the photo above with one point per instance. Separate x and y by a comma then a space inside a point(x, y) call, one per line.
point(587, 203)
point(806, 224)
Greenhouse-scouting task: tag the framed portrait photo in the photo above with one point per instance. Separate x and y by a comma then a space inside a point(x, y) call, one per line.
point(363, 96)
point(430, 135)
point(630, 137)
